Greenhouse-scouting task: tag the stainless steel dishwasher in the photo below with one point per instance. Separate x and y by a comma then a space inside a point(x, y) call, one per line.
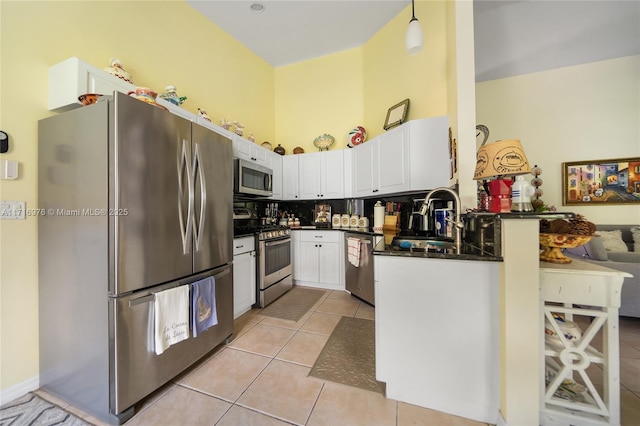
point(359, 265)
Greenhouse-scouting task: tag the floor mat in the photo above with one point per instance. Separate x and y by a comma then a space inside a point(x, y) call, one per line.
point(293, 304)
point(349, 356)
point(33, 410)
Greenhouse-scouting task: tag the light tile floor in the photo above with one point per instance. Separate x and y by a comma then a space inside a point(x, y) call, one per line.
point(261, 378)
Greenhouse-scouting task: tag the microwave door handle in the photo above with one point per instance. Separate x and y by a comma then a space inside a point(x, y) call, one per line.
point(198, 172)
point(185, 226)
point(267, 181)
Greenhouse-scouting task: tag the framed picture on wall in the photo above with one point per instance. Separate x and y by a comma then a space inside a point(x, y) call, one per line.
point(396, 115)
point(601, 182)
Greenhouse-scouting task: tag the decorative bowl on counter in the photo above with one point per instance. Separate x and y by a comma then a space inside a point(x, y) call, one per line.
point(554, 243)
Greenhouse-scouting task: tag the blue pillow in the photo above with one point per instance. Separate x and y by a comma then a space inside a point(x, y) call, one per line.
point(593, 250)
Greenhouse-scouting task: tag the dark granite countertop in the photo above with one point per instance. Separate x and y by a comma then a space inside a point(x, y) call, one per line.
point(469, 252)
point(526, 215)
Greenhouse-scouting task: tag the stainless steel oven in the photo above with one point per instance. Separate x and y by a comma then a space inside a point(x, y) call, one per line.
point(274, 265)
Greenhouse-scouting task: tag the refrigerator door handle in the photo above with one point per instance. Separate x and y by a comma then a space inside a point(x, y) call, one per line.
point(141, 300)
point(226, 271)
point(199, 170)
point(185, 226)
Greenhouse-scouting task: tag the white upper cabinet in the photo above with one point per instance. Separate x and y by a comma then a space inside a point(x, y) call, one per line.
point(321, 175)
point(290, 177)
point(410, 157)
point(71, 78)
point(247, 150)
point(274, 162)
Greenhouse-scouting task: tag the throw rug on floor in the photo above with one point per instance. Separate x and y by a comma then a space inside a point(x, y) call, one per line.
point(293, 304)
point(349, 356)
point(30, 409)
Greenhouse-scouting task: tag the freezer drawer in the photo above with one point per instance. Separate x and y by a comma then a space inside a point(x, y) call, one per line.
point(136, 370)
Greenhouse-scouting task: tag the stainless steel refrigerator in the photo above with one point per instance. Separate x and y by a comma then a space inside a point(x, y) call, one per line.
point(133, 200)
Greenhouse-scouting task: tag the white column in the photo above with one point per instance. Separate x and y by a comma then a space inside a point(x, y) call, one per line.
point(520, 322)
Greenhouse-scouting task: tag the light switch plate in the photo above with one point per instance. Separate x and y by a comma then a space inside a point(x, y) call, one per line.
point(12, 210)
point(8, 169)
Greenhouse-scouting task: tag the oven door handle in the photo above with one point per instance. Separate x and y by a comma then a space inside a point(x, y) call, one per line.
point(277, 243)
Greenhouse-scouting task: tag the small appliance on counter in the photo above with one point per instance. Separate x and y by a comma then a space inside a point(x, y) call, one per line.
point(426, 225)
point(322, 214)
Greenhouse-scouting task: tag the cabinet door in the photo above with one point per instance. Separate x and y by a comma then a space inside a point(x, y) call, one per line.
point(393, 161)
point(247, 150)
point(259, 153)
point(274, 162)
point(244, 282)
point(295, 254)
point(308, 264)
point(290, 177)
point(363, 162)
point(332, 175)
point(309, 171)
point(329, 263)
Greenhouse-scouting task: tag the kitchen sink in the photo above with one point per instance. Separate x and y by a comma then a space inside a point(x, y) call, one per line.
point(416, 243)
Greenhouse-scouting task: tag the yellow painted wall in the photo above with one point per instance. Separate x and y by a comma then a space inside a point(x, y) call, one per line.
point(390, 75)
point(582, 112)
point(177, 45)
point(173, 45)
point(334, 93)
point(323, 95)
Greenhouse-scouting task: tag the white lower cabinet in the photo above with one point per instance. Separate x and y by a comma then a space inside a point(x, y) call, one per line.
point(244, 275)
point(438, 334)
point(318, 259)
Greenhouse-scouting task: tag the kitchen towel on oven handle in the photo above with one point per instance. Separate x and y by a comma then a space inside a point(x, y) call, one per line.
point(171, 317)
point(354, 248)
point(203, 305)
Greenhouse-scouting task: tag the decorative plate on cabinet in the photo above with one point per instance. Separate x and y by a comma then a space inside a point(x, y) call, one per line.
point(357, 136)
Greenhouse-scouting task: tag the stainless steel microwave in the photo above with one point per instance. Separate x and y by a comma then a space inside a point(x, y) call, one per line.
point(252, 179)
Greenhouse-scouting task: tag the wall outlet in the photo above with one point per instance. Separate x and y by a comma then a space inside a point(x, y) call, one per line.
point(12, 210)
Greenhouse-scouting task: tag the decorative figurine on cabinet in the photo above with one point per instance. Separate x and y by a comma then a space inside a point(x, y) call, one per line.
point(239, 128)
point(115, 68)
point(250, 137)
point(203, 114)
point(172, 96)
point(225, 124)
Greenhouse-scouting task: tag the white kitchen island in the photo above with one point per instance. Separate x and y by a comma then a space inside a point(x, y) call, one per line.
point(438, 334)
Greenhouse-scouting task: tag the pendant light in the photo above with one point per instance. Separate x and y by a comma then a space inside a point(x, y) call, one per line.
point(413, 40)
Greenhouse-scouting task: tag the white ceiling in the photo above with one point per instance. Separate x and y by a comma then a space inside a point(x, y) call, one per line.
point(512, 37)
point(521, 37)
point(290, 31)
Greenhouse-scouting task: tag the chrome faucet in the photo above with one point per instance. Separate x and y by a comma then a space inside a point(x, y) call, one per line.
point(457, 222)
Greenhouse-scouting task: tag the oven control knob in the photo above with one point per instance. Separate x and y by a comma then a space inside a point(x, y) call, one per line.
point(281, 233)
point(268, 234)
